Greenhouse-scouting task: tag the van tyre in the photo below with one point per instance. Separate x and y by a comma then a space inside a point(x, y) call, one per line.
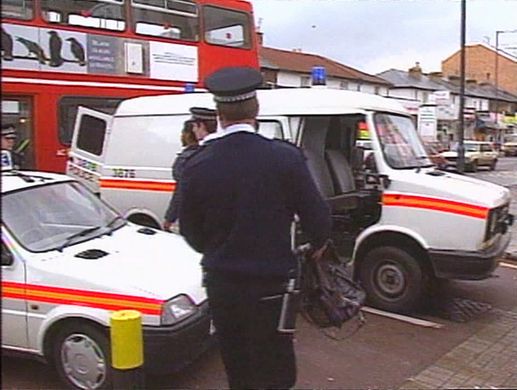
point(81, 356)
point(393, 279)
point(492, 165)
point(473, 166)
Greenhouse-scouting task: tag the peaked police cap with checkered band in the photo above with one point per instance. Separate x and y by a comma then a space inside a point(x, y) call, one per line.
point(234, 84)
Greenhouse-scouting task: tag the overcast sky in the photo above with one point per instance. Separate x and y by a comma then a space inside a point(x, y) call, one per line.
point(376, 35)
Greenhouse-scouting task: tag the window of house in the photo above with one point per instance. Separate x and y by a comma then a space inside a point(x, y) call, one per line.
point(175, 19)
point(305, 81)
point(102, 14)
point(227, 27)
point(343, 84)
point(17, 9)
point(68, 112)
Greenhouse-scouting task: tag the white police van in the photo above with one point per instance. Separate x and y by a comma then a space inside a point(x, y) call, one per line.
point(400, 220)
point(69, 260)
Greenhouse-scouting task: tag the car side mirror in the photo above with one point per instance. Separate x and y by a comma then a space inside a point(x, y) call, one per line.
point(7, 257)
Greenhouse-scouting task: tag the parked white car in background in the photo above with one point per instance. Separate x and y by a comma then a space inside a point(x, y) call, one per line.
point(69, 260)
point(477, 154)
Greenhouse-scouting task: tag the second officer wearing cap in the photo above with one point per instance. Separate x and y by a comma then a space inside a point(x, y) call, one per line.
point(202, 123)
point(240, 194)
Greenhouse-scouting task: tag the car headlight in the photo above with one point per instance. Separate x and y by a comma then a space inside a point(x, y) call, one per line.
point(177, 309)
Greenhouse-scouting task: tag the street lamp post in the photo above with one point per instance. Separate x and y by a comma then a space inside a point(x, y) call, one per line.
point(461, 132)
point(496, 77)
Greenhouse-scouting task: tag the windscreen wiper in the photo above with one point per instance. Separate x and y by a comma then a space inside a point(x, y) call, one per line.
point(81, 233)
point(112, 222)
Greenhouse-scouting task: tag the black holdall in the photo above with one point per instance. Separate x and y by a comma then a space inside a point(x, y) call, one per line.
point(329, 295)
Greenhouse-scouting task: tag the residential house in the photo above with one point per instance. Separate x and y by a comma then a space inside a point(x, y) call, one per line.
point(440, 96)
point(284, 68)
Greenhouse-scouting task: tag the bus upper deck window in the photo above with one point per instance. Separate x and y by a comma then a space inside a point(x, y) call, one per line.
point(102, 14)
point(17, 9)
point(176, 19)
point(227, 27)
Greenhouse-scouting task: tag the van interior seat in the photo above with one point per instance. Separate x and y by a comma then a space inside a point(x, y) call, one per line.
point(340, 171)
point(314, 150)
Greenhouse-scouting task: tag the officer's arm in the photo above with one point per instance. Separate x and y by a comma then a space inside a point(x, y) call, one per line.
point(190, 213)
point(312, 209)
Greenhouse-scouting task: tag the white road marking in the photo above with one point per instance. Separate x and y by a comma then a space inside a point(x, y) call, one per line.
point(400, 317)
point(508, 265)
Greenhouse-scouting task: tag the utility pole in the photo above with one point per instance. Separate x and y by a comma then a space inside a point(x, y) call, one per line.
point(461, 131)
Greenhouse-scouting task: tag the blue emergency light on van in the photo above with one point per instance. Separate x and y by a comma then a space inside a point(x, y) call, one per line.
point(319, 75)
point(189, 87)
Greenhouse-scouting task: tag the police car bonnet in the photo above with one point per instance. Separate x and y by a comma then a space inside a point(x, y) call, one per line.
point(234, 84)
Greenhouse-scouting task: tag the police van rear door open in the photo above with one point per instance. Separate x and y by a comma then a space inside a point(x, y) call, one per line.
point(88, 146)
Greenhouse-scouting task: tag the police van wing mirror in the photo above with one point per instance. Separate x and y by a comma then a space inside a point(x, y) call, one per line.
point(374, 179)
point(7, 257)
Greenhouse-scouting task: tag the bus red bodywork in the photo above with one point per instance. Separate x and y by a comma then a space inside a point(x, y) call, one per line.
point(41, 93)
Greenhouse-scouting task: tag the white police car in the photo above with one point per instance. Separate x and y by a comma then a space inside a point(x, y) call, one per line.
point(69, 260)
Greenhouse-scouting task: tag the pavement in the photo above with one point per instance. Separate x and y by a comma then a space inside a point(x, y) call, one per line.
point(486, 360)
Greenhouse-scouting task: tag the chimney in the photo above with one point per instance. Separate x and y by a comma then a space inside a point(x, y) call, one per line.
point(454, 80)
point(416, 71)
point(435, 76)
point(471, 82)
point(260, 38)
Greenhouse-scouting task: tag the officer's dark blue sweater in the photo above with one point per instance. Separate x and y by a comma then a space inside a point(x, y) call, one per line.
point(239, 196)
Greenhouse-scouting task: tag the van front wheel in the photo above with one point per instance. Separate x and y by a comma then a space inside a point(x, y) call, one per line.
point(393, 279)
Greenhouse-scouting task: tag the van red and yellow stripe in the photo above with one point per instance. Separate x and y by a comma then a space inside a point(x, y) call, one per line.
point(424, 202)
point(135, 184)
point(68, 296)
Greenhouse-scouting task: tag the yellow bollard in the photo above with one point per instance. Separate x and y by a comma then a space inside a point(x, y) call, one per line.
point(127, 351)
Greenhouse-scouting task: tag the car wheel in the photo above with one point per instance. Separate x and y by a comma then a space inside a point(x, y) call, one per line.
point(393, 279)
point(492, 165)
point(81, 355)
point(473, 166)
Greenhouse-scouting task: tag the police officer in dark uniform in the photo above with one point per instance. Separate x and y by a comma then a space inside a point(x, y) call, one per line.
point(202, 123)
point(240, 193)
point(9, 137)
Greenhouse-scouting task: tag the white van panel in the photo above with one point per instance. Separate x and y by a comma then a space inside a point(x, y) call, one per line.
point(158, 138)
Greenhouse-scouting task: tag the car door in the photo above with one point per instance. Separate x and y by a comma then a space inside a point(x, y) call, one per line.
point(14, 303)
point(88, 146)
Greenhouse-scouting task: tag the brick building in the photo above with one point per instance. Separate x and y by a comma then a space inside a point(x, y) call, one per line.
point(480, 66)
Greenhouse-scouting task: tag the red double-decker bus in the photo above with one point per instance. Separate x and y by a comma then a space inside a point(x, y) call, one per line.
point(61, 54)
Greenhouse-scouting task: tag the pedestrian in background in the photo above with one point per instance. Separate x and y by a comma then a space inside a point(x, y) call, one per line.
point(240, 194)
point(202, 123)
point(9, 137)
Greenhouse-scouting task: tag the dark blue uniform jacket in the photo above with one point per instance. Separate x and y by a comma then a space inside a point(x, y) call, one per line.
point(239, 197)
point(171, 214)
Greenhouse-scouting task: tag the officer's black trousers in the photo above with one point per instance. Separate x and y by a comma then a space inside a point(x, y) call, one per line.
point(255, 354)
